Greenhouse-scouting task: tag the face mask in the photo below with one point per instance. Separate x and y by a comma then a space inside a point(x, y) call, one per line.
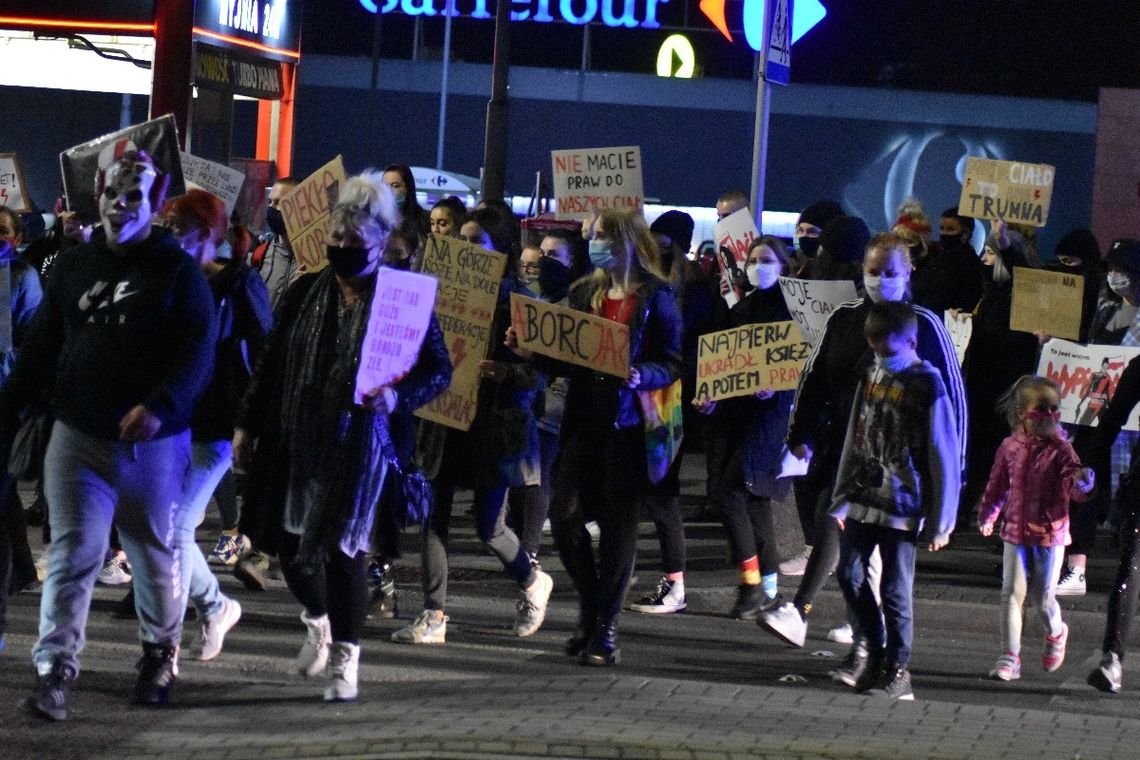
point(762, 276)
point(275, 221)
point(404, 264)
point(348, 262)
point(400, 198)
point(881, 289)
point(898, 362)
point(601, 253)
point(1034, 414)
point(1119, 283)
point(553, 278)
point(809, 246)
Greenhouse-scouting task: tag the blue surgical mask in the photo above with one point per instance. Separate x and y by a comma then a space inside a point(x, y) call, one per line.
point(601, 253)
point(898, 362)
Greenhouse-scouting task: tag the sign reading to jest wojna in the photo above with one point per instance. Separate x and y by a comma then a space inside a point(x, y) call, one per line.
point(570, 335)
point(743, 360)
point(592, 179)
point(306, 212)
point(397, 324)
point(1008, 190)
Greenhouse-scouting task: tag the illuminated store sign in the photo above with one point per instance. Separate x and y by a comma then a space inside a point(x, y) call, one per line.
point(269, 28)
point(617, 13)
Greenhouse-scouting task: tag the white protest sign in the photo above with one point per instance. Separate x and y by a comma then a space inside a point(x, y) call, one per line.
point(596, 178)
point(13, 191)
point(736, 233)
point(1087, 377)
point(401, 312)
point(812, 301)
point(220, 180)
point(960, 327)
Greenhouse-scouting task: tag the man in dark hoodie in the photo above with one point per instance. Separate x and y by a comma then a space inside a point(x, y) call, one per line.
point(813, 219)
point(125, 339)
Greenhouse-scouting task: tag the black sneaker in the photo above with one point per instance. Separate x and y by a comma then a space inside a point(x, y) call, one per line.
point(853, 666)
point(158, 670)
point(751, 602)
point(382, 586)
point(53, 689)
point(873, 674)
point(250, 569)
point(895, 686)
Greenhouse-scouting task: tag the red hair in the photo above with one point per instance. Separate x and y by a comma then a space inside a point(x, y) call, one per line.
point(202, 208)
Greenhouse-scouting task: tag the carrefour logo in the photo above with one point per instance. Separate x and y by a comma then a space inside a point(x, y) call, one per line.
point(616, 13)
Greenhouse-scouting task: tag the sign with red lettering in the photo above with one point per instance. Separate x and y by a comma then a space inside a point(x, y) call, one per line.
point(399, 319)
point(306, 213)
point(13, 191)
point(572, 336)
point(469, 279)
point(736, 233)
point(590, 179)
point(1009, 190)
point(1087, 377)
point(740, 361)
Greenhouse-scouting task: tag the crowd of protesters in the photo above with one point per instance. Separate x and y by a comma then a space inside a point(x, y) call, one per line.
point(149, 357)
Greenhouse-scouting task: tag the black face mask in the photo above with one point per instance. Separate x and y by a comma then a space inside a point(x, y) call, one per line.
point(404, 264)
point(553, 278)
point(275, 221)
point(348, 262)
point(809, 246)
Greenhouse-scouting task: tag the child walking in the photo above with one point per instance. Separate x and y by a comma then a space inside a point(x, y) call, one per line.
point(899, 478)
point(1035, 474)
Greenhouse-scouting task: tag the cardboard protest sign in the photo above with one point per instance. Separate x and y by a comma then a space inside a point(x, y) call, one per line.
point(13, 191)
point(743, 360)
point(469, 279)
point(251, 201)
point(736, 233)
point(218, 179)
point(306, 213)
point(81, 164)
point(1008, 190)
point(571, 336)
point(960, 327)
point(1087, 377)
point(812, 301)
point(399, 319)
point(596, 178)
point(1048, 302)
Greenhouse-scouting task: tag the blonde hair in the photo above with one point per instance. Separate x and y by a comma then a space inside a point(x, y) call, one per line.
point(364, 202)
point(1016, 400)
point(634, 249)
point(889, 242)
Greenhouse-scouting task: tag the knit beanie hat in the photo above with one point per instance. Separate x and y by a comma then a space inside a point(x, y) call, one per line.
point(845, 239)
point(677, 225)
point(820, 213)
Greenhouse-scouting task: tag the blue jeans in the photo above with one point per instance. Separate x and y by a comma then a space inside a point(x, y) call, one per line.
point(209, 462)
point(897, 548)
point(89, 481)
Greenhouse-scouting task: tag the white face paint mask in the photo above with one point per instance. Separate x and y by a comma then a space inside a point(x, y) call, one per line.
point(898, 362)
point(763, 276)
point(881, 289)
point(1119, 283)
point(124, 204)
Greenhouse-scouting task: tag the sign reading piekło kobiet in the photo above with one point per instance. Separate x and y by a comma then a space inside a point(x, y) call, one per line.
point(614, 13)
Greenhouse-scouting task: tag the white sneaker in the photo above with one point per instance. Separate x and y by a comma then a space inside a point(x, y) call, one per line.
point(532, 604)
point(215, 628)
point(841, 634)
point(786, 622)
point(314, 654)
point(1072, 582)
point(669, 597)
point(796, 565)
point(344, 663)
point(425, 629)
point(116, 571)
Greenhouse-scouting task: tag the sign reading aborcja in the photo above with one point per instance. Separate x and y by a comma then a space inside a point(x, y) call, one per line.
point(571, 336)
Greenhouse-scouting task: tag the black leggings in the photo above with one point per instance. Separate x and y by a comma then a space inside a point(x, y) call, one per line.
point(1122, 595)
point(824, 554)
point(751, 531)
point(336, 586)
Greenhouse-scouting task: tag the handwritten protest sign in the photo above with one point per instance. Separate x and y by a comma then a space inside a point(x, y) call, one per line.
point(218, 179)
point(596, 178)
point(960, 327)
point(1087, 377)
point(736, 233)
point(743, 360)
point(81, 164)
point(812, 301)
point(469, 278)
point(306, 213)
point(397, 324)
point(13, 191)
point(571, 336)
point(1009, 190)
point(1048, 302)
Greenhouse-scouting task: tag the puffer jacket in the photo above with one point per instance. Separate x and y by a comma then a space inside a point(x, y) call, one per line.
point(1030, 485)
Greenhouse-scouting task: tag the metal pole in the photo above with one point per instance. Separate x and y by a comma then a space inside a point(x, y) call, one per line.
point(374, 81)
point(448, 12)
point(760, 136)
point(495, 143)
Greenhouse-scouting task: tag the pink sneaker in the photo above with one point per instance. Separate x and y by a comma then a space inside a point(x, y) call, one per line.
point(1054, 653)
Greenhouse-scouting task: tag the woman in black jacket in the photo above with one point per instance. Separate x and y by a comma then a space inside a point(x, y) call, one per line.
point(601, 473)
point(330, 454)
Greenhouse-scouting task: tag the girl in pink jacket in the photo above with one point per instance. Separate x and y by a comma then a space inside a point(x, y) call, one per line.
point(1034, 475)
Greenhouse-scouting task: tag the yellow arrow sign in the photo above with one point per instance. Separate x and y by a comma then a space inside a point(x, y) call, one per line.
point(676, 58)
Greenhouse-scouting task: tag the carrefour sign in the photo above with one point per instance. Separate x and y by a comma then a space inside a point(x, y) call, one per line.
point(631, 13)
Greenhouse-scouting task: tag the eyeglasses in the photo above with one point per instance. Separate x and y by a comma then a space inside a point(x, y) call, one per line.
point(531, 268)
